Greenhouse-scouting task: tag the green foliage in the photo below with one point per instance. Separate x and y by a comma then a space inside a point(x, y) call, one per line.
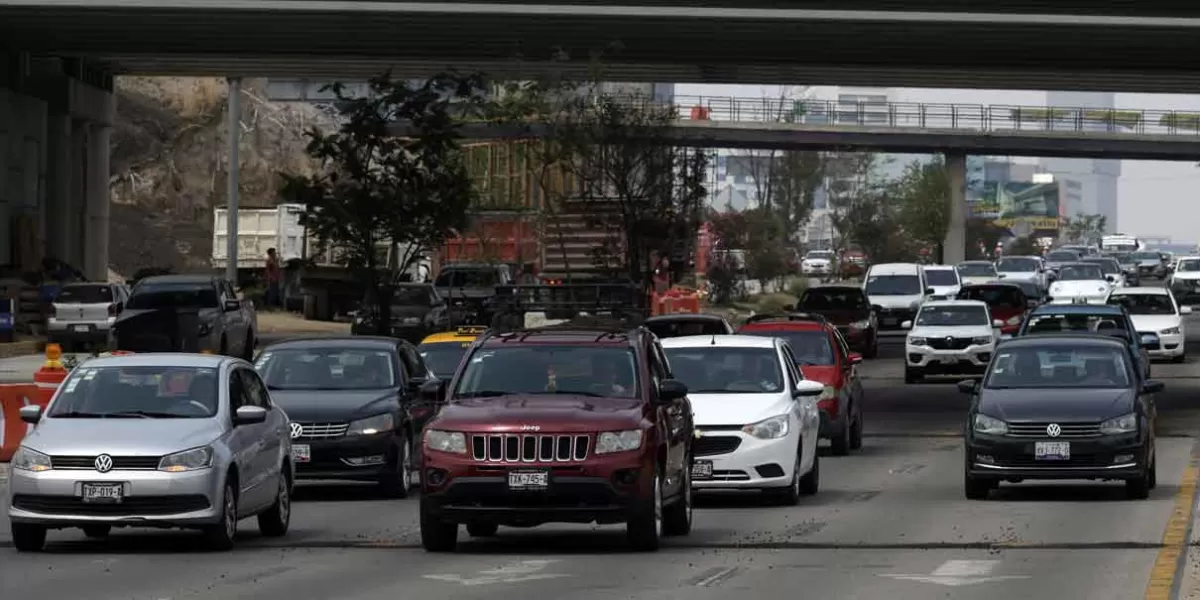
point(798, 286)
point(923, 194)
point(1084, 228)
point(789, 186)
point(775, 303)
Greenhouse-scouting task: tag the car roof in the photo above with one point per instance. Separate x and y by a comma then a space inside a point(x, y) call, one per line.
point(326, 341)
point(1018, 256)
point(843, 287)
point(162, 359)
point(566, 336)
point(938, 267)
point(1080, 309)
point(726, 341)
point(976, 262)
point(893, 269)
point(1141, 291)
point(1074, 338)
point(685, 317)
point(937, 303)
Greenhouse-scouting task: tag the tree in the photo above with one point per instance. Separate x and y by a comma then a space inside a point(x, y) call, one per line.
point(863, 208)
point(924, 197)
point(375, 190)
point(1084, 228)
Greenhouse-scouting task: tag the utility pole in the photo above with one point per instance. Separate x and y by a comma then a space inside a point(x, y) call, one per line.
point(231, 213)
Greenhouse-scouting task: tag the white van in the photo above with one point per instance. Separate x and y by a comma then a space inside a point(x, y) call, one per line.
point(896, 291)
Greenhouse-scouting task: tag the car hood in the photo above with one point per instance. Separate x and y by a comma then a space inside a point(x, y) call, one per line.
point(736, 409)
point(1155, 323)
point(1058, 405)
point(927, 331)
point(1149, 262)
point(470, 293)
point(121, 437)
point(816, 261)
point(333, 406)
point(826, 374)
point(1080, 288)
point(945, 290)
point(1186, 275)
point(843, 317)
point(549, 414)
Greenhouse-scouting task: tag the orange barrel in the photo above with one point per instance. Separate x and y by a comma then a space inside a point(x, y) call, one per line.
point(50, 376)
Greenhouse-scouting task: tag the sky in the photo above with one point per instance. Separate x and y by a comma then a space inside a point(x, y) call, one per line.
point(1155, 198)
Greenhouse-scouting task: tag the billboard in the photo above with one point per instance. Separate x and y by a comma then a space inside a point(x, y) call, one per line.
point(1020, 206)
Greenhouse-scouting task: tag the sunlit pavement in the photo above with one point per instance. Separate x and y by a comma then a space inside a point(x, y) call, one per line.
point(890, 522)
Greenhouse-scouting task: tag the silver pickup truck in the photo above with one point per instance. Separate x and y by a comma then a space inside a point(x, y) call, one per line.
point(227, 325)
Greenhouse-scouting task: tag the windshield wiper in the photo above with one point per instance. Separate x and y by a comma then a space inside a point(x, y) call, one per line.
point(78, 415)
point(146, 414)
point(569, 393)
point(484, 394)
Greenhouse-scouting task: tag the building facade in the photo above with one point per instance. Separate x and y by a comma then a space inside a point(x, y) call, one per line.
point(1090, 185)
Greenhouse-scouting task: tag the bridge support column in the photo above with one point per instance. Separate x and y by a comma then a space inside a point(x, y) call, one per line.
point(954, 249)
point(59, 176)
point(98, 208)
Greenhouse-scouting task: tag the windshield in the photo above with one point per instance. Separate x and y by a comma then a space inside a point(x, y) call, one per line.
point(1018, 265)
point(1188, 265)
point(678, 328)
point(467, 278)
point(834, 299)
point(412, 295)
point(443, 357)
point(1147, 256)
point(1082, 322)
point(977, 270)
point(1144, 304)
point(173, 295)
point(722, 370)
point(138, 392)
point(85, 294)
point(1107, 266)
point(996, 296)
point(1088, 272)
point(820, 255)
point(536, 370)
point(811, 348)
point(1058, 366)
point(894, 285)
point(953, 316)
point(1062, 256)
point(941, 277)
point(328, 368)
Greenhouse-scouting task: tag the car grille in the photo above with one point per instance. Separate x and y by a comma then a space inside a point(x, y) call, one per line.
point(1069, 430)
point(1154, 346)
point(712, 445)
point(322, 431)
point(119, 463)
point(953, 343)
point(130, 505)
point(530, 447)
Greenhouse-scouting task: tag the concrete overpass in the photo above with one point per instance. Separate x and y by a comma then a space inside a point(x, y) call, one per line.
point(892, 44)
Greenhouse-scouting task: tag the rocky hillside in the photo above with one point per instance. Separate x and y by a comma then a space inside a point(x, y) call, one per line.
point(169, 161)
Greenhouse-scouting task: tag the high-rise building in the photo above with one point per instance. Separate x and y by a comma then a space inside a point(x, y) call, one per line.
point(1089, 184)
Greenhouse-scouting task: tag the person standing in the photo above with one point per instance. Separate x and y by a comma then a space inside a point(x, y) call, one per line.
point(274, 278)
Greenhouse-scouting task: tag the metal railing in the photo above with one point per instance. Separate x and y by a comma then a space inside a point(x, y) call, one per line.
point(913, 115)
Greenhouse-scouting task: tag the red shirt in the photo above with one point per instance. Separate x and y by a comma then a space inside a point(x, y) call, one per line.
point(273, 270)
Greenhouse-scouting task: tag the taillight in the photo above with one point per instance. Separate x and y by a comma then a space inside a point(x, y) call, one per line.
point(112, 310)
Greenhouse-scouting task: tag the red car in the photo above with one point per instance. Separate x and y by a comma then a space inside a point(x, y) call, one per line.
point(1006, 302)
point(823, 355)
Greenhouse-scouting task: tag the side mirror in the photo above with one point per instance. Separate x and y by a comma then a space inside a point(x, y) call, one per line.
point(906, 325)
point(1001, 275)
point(232, 305)
point(1110, 278)
point(1185, 310)
point(415, 383)
point(930, 291)
point(968, 386)
point(808, 388)
point(997, 323)
point(876, 308)
point(31, 414)
point(1031, 303)
point(432, 390)
point(249, 415)
point(855, 358)
point(1153, 387)
point(1150, 340)
point(671, 390)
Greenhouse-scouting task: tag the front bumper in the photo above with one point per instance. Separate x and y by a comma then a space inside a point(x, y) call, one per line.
point(1106, 457)
point(816, 269)
point(1079, 299)
point(748, 463)
point(350, 458)
point(970, 360)
point(79, 331)
point(1169, 345)
point(150, 498)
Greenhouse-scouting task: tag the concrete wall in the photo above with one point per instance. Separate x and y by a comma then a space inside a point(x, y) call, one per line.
point(22, 172)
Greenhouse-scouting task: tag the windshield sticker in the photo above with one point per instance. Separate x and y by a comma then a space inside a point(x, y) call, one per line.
point(74, 383)
point(89, 374)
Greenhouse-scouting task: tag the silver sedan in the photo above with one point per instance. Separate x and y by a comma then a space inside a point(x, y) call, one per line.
point(153, 440)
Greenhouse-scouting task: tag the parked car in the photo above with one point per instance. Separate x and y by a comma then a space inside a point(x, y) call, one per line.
point(84, 313)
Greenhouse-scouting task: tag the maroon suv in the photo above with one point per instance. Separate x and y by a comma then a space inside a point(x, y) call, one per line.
point(558, 425)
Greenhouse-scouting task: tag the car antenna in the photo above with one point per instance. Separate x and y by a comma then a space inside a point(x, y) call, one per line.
point(714, 340)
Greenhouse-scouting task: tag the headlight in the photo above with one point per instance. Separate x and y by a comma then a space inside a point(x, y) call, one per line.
point(188, 460)
point(1103, 288)
point(990, 425)
point(1013, 320)
point(618, 441)
point(769, 429)
point(863, 324)
point(31, 460)
point(1122, 424)
point(982, 339)
point(917, 341)
point(372, 425)
point(1170, 331)
point(446, 441)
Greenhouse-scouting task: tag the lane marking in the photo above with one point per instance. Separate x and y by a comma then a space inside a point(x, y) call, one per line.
point(1171, 558)
point(526, 570)
point(955, 573)
point(718, 577)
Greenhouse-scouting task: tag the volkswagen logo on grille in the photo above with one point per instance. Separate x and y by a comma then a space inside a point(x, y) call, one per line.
point(297, 430)
point(949, 339)
point(104, 463)
point(1053, 430)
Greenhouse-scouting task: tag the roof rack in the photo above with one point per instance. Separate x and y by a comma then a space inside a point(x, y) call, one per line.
point(791, 316)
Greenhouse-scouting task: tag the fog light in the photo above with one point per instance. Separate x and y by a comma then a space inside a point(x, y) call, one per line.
point(627, 476)
point(1122, 458)
point(985, 459)
point(364, 461)
point(435, 476)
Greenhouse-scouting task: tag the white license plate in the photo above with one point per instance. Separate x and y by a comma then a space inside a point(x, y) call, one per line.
point(102, 493)
point(1052, 450)
point(949, 360)
point(888, 322)
point(528, 480)
point(702, 469)
point(301, 453)
point(79, 328)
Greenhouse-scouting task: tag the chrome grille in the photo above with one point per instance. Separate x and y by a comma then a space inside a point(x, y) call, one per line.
point(515, 447)
point(322, 431)
point(1069, 430)
point(120, 463)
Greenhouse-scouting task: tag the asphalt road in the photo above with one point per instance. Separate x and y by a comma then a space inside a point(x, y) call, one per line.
point(889, 522)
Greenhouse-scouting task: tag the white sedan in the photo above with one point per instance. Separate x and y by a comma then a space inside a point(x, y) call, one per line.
point(1080, 282)
point(1155, 311)
point(756, 416)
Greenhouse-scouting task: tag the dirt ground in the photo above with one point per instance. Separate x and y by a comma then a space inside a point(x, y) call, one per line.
point(284, 322)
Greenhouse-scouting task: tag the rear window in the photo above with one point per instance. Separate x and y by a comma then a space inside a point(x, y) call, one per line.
point(467, 278)
point(995, 296)
point(811, 347)
point(85, 294)
point(834, 299)
point(669, 329)
point(138, 393)
point(173, 295)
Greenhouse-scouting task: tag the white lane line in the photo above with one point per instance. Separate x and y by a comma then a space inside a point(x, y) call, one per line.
point(526, 570)
point(955, 573)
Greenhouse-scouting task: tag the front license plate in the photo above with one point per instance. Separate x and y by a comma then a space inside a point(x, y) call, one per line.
point(79, 328)
point(702, 469)
point(103, 493)
point(949, 360)
point(301, 453)
point(1052, 450)
point(528, 480)
point(888, 322)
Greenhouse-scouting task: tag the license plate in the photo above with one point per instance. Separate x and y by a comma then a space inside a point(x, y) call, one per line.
point(1052, 450)
point(301, 453)
point(702, 469)
point(528, 480)
point(949, 360)
point(102, 493)
point(79, 328)
point(887, 321)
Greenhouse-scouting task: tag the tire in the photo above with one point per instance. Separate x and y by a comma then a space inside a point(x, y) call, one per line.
point(220, 535)
point(437, 535)
point(1153, 472)
point(223, 350)
point(1182, 358)
point(856, 430)
point(482, 529)
point(790, 495)
point(840, 442)
point(27, 537)
point(398, 482)
point(274, 521)
point(810, 483)
point(677, 518)
point(1138, 488)
point(97, 532)
point(913, 376)
point(872, 350)
point(975, 488)
point(643, 530)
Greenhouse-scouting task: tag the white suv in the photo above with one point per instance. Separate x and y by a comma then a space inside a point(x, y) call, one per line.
point(949, 337)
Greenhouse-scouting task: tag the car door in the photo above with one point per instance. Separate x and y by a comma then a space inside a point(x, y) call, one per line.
point(246, 443)
point(276, 438)
point(677, 417)
point(805, 407)
point(419, 410)
point(851, 389)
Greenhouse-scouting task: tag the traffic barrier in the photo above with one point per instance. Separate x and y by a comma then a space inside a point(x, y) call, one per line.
point(51, 375)
point(12, 428)
point(676, 300)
